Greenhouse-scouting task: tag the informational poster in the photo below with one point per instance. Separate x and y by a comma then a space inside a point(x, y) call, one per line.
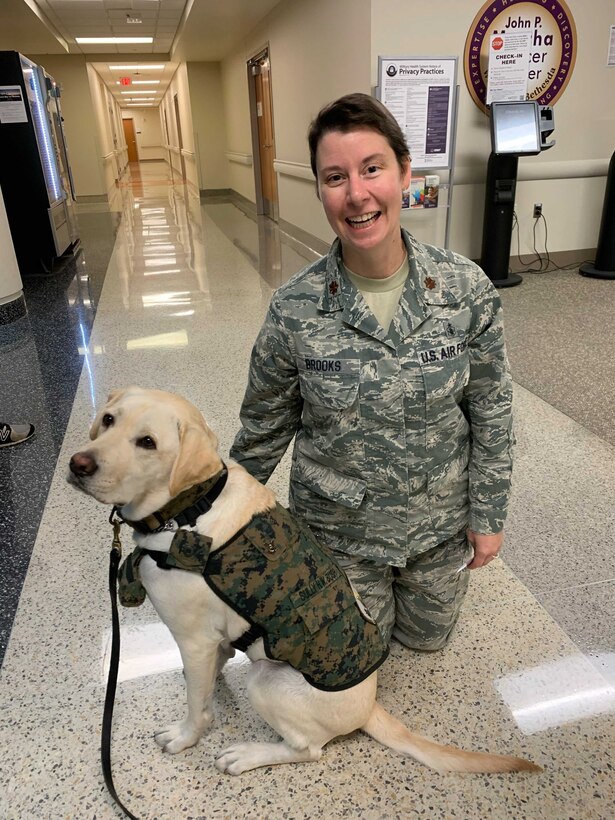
point(419, 92)
point(509, 60)
point(12, 108)
point(610, 60)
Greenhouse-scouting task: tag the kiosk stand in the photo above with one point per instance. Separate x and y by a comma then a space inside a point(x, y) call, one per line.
point(604, 266)
point(517, 129)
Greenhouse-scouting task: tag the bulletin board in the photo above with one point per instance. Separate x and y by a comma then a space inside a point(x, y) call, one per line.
point(423, 95)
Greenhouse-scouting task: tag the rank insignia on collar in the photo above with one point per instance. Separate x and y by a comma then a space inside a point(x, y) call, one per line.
point(430, 283)
point(333, 288)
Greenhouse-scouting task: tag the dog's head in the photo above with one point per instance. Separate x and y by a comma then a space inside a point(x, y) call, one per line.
point(147, 446)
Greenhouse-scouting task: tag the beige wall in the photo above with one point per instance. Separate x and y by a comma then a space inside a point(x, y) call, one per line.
point(179, 86)
point(70, 72)
point(147, 131)
point(584, 120)
point(237, 119)
point(112, 152)
point(207, 106)
point(319, 50)
point(324, 48)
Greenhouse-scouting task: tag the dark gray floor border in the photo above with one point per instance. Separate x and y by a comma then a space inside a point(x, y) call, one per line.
point(40, 367)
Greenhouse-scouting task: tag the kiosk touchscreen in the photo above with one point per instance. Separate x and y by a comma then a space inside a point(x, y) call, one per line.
point(518, 129)
point(515, 128)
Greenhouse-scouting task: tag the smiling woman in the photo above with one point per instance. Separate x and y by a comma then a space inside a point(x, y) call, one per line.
point(385, 361)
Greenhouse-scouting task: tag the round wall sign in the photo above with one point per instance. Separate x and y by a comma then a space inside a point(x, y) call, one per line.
point(553, 46)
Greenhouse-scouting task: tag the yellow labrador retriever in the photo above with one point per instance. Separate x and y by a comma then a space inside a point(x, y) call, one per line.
point(148, 448)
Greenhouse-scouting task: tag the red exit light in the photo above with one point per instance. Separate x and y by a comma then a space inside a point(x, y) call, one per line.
point(125, 80)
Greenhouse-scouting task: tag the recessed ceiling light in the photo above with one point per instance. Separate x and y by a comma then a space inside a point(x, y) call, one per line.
point(92, 41)
point(135, 67)
point(141, 104)
point(146, 82)
point(137, 92)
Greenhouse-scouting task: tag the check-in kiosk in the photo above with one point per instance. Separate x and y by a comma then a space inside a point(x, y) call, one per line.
point(604, 265)
point(518, 129)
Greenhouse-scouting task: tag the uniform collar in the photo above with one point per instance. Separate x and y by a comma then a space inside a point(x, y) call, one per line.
point(425, 287)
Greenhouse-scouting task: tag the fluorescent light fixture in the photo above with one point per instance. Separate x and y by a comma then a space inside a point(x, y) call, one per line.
point(139, 101)
point(137, 92)
point(134, 67)
point(146, 82)
point(141, 104)
point(93, 41)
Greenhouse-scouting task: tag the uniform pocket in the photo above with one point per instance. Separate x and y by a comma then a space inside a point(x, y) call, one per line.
point(329, 483)
point(330, 383)
point(445, 365)
point(320, 607)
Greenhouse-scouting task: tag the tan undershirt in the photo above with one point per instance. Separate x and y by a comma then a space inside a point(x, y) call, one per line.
point(381, 295)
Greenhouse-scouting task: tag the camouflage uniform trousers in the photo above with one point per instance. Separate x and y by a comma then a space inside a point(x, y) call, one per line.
point(418, 604)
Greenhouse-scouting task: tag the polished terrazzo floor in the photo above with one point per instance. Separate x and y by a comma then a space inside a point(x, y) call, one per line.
point(531, 668)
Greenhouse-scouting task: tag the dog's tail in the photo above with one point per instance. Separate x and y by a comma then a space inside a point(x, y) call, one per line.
point(387, 730)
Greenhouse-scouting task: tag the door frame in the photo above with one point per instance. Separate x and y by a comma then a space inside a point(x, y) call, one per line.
point(134, 134)
point(259, 55)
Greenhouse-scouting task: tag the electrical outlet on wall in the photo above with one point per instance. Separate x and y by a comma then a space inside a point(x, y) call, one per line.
point(537, 209)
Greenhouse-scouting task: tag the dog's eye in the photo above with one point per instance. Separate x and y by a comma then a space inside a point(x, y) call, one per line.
point(107, 420)
point(147, 442)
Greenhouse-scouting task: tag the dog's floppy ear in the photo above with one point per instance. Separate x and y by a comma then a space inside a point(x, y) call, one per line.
point(113, 397)
point(198, 458)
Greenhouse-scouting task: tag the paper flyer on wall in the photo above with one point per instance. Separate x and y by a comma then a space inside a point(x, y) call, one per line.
point(509, 61)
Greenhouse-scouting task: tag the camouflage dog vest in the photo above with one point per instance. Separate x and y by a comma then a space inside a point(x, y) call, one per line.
point(291, 591)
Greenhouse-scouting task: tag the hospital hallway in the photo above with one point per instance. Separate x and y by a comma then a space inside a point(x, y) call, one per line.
point(169, 292)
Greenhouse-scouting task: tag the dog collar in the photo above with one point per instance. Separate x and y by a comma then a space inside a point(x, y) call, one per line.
point(185, 508)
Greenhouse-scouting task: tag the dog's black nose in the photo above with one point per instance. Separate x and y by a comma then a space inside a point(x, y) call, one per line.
point(82, 464)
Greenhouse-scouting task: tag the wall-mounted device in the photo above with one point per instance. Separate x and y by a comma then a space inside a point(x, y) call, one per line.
point(518, 129)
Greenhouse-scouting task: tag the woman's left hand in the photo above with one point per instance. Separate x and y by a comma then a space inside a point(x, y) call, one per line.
point(486, 547)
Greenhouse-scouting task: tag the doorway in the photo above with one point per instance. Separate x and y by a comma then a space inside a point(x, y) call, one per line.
point(180, 141)
point(263, 141)
point(131, 140)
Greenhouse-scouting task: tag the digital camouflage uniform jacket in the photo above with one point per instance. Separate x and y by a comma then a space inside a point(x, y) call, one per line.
point(403, 437)
point(291, 591)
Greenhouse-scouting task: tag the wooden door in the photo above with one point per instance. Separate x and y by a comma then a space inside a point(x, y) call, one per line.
point(131, 140)
point(261, 74)
point(179, 137)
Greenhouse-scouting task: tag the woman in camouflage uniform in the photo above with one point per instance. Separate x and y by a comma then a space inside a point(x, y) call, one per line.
point(386, 361)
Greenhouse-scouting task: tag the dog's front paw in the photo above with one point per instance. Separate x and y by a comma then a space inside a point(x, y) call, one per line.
point(242, 757)
point(178, 736)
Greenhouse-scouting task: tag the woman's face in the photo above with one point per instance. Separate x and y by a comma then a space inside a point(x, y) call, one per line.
point(360, 184)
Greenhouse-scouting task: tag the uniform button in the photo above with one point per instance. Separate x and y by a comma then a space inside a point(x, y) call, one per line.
point(271, 548)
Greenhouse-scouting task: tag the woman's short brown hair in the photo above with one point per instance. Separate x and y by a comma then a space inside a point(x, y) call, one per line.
point(357, 111)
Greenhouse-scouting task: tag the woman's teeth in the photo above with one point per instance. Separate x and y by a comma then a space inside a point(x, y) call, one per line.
point(363, 219)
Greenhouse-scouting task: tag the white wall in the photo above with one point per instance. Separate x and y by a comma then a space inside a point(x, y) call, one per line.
point(584, 121)
point(10, 279)
point(207, 106)
point(107, 122)
point(319, 50)
point(179, 87)
point(147, 131)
